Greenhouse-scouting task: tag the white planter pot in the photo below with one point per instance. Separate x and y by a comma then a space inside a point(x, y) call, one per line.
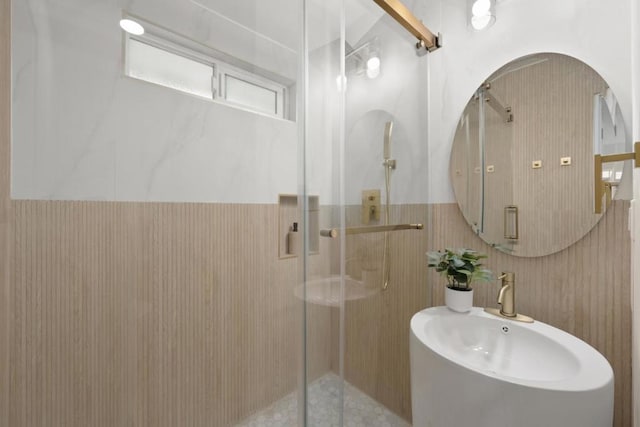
point(460, 301)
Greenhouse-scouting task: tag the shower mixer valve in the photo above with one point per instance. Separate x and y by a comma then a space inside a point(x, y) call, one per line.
point(370, 206)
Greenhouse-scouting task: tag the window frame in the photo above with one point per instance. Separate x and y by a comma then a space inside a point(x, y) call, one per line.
point(176, 45)
point(226, 70)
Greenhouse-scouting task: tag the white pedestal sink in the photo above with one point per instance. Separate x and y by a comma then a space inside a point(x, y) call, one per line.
point(476, 369)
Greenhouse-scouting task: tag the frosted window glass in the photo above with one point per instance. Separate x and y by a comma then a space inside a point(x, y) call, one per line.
point(167, 69)
point(251, 95)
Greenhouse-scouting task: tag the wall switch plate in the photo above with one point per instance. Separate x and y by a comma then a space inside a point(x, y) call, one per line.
point(565, 161)
point(370, 206)
point(536, 164)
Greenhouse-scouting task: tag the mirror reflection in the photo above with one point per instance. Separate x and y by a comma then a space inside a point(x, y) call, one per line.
point(522, 156)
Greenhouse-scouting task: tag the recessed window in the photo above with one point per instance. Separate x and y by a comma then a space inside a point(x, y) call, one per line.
point(158, 66)
point(251, 95)
point(168, 60)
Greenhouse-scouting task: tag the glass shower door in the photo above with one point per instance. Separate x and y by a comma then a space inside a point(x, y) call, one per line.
point(364, 81)
point(323, 139)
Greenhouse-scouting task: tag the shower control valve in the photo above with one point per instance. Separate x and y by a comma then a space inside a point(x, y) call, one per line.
point(370, 206)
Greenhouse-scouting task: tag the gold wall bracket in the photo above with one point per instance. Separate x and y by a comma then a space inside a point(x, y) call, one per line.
point(601, 188)
point(408, 20)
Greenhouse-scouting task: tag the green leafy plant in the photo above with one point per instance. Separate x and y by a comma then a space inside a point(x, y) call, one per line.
point(461, 267)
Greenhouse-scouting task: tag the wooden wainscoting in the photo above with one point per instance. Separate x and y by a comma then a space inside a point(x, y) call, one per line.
point(376, 355)
point(152, 314)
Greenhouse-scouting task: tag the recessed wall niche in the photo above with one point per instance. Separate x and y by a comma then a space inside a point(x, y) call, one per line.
point(288, 215)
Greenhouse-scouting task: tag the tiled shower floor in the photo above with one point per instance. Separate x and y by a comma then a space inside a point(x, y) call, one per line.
point(360, 410)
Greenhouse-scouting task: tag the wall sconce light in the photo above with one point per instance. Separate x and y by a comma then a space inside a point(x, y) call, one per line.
point(373, 66)
point(482, 14)
point(364, 59)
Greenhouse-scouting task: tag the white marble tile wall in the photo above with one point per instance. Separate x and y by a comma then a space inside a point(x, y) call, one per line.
point(83, 131)
point(398, 94)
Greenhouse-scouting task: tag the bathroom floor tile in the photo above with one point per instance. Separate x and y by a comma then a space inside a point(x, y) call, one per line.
point(360, 410)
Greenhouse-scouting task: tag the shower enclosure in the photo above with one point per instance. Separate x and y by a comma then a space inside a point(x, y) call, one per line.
point(161, 153)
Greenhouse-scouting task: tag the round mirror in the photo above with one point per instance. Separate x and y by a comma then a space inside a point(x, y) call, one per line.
point(522, 162)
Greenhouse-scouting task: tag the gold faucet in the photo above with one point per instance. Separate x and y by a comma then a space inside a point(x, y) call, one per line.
point(507, 295)
point(506, 299)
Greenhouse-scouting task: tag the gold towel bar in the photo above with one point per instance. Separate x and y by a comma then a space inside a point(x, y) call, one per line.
point(335, 232)
point(600, 188)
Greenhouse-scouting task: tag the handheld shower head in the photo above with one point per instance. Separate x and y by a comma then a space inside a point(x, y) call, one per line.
point(388, 129)
point(388, 164)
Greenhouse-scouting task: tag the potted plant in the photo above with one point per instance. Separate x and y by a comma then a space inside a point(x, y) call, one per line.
point(461, 267)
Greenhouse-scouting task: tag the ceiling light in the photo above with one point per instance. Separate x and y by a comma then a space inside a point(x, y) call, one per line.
point(131, 27)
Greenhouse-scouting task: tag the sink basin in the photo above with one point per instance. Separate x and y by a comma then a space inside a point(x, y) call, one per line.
point(478, 369)
point(328, 291)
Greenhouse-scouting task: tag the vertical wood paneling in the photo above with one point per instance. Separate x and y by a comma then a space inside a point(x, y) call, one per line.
point(153, 314)
point(377, 328)
point(584, 289)
point(541, 96)
point(164, 314)
point(552, 103)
